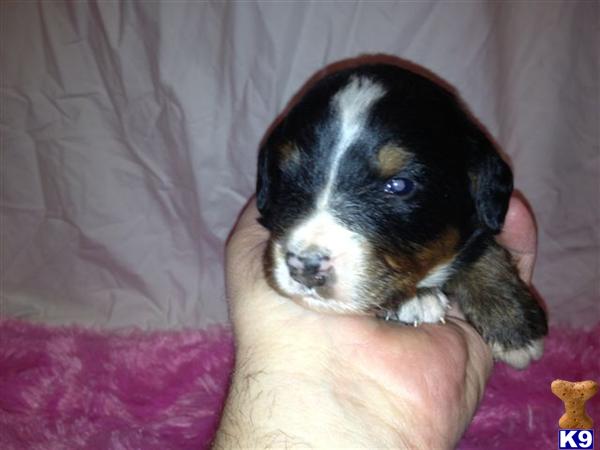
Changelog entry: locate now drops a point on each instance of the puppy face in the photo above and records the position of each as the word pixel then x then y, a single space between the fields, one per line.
pixel 370 187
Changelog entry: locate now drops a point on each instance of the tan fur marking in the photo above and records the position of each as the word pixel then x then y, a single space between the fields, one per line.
pixel 439 250
pixel 289 153
pixel 412 268
pixel 391 159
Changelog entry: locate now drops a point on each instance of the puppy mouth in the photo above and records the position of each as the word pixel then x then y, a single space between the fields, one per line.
pixel 324 265
pixel 312 270
pixel 369 289
pixel 300 276
pixel 325 285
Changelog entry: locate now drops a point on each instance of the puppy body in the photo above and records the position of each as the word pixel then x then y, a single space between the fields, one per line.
pixel 383 197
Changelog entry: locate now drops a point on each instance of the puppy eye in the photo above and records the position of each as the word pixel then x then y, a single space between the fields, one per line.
pixel 399 186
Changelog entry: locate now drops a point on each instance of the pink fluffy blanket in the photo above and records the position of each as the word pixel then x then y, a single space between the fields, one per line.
pixel 68 388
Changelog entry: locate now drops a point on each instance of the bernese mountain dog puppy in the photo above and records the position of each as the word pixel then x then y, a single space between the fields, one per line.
pixel 383 196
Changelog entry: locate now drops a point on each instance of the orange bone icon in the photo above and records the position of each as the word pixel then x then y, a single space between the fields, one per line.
pixel 574 396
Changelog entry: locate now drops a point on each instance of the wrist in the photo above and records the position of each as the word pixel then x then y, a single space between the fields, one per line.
pixel 266 404
pixel 280 397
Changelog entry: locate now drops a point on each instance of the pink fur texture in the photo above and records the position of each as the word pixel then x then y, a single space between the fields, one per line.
pixel 68 388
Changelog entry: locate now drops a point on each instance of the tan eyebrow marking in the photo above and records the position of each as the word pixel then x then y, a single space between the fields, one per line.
pixel 391 158
pixel 290 154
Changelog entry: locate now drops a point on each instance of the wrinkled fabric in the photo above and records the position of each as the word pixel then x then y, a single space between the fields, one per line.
pixel 130 132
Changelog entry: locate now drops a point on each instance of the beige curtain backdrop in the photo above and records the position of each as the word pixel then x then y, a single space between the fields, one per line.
pixel 130 130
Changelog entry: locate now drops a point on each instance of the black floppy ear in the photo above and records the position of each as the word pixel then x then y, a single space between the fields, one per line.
pixel 262 180
pixel 491 181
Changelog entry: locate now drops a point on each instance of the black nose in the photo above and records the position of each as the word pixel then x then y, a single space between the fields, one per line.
pixel 309 268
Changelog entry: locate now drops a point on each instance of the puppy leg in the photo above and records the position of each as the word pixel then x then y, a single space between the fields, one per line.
pixel 428 306
pixel 500 306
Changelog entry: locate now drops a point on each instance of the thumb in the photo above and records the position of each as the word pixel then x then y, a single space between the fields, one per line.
pixel 519 236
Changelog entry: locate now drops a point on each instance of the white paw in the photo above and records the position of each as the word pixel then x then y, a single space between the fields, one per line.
pixel 521 357
pixel 428 307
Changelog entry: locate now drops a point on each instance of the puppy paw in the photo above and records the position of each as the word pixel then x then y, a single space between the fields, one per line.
pixel 519 358
pixel 428 306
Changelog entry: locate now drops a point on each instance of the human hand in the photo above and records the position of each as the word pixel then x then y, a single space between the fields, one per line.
pixel 307 378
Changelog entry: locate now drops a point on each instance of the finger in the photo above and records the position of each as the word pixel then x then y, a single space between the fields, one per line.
pixel 248 219
pixel 479 363
pixel 244 250
pixel 248 236
pixel 519 236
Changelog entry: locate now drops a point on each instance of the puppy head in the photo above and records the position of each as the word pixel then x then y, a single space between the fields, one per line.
pixel 370 185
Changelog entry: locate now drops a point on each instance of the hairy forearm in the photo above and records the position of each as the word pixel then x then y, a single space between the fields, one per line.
pixel 269 410
pixel 298 401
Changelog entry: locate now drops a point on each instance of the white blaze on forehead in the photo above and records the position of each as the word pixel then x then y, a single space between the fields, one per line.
pixel 351 104
pixel 321 230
